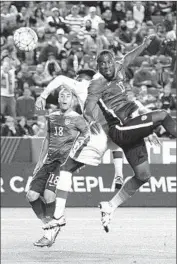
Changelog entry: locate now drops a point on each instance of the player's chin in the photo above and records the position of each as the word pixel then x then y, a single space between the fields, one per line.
pixel 108 74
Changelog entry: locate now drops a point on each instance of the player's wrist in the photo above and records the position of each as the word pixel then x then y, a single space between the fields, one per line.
pixel 44 96
pixel 92 123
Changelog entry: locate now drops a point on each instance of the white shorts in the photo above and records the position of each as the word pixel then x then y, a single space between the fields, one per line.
pixel 92 153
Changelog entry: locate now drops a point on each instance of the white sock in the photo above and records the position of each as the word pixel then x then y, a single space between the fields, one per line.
pixel 118 162
pixel 59 207
pixel 47 234
pixel 63 187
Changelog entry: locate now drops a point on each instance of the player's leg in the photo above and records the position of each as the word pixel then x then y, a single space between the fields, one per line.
pixel 138 159
pixel 64 185
pixel 118 166
pixel 53 171
pixel 37 204
pixel 49 196
pixel 90 154
pixel 49 234
pixel 161 117
pixel 36 189
pixel 141 126
pixel 117 155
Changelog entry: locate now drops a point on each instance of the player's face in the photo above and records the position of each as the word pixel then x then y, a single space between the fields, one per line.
pixel 65 100
pixel 106 66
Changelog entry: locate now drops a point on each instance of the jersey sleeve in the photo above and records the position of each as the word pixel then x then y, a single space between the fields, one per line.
pixel 83 138
pixel 58 81
pixel 94 94
pixel 82 127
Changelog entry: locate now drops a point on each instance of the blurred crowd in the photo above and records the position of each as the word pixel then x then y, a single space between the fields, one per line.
pixel 70 35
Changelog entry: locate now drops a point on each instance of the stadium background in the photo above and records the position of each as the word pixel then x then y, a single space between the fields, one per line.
pixel 68 43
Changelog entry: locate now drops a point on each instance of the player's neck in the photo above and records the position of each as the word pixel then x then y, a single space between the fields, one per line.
pixel 65 112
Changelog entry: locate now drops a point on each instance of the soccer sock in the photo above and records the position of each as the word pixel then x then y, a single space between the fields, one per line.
pixel 170 125
pixel 128 189
pixel 38 207
pixel 60 203
pixel 118 163
pixel 63 187
pixel 50 208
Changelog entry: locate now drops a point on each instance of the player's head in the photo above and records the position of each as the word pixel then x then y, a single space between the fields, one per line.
pixel 106 64
pixel 85 74
pixel 65 99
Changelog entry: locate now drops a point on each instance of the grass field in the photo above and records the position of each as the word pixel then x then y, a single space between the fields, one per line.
pixel 137 236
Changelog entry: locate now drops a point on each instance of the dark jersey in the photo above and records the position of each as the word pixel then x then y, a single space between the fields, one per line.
pixel 111 97
pixel 63 129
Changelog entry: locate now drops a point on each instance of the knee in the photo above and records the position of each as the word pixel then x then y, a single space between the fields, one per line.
pixel 144 176
pixel 49 196
pixel 32 196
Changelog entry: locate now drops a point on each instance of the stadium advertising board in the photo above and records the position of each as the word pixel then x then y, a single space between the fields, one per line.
pixel 93 184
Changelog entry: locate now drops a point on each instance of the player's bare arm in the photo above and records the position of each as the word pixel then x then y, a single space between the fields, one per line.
pixel 94 94
pixel 130 56
pixel 52 86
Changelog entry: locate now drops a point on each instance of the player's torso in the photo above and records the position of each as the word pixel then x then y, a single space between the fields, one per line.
pixel 62 134
pixel 114 98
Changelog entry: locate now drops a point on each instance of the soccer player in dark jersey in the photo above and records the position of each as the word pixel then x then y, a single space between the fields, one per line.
pixel 126 127
pixel 64 127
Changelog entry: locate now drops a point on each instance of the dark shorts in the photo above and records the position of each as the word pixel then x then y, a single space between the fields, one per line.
pixel 130 138
pixel 46 178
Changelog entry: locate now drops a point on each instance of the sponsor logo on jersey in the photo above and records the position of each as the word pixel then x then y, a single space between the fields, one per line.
pixel 144 117
pixel 67 121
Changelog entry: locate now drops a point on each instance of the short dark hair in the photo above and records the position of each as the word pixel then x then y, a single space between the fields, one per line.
pixel 104 52
pixel 88 72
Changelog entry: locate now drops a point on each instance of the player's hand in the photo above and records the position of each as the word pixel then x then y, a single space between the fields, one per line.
pixel 147 40
pixel 40 103
pixel 95 128
pixel 153 139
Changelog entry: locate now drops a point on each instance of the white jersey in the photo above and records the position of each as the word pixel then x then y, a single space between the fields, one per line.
pixel 80 89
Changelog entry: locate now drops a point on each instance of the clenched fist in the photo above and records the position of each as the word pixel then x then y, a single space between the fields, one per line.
pixel 40 103
pixel 147 40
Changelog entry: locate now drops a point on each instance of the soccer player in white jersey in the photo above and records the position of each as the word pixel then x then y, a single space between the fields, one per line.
pixel 94 151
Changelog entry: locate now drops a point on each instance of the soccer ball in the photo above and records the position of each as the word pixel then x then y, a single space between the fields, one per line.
pixel 25 39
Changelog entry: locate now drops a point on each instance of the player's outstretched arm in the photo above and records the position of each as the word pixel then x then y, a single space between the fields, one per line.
pixel 130 56
pixel 52 86
pixel 91 103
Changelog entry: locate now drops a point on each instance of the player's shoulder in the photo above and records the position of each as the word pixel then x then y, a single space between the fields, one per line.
pixel 96 84
pixel 97 77
pixel 72 114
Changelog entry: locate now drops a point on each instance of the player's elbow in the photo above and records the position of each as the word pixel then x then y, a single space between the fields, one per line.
pixel 32 196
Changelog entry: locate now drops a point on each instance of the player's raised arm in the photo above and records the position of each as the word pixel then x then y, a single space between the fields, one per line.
pixel 52 86
pixel 130 56
pixel 93 96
